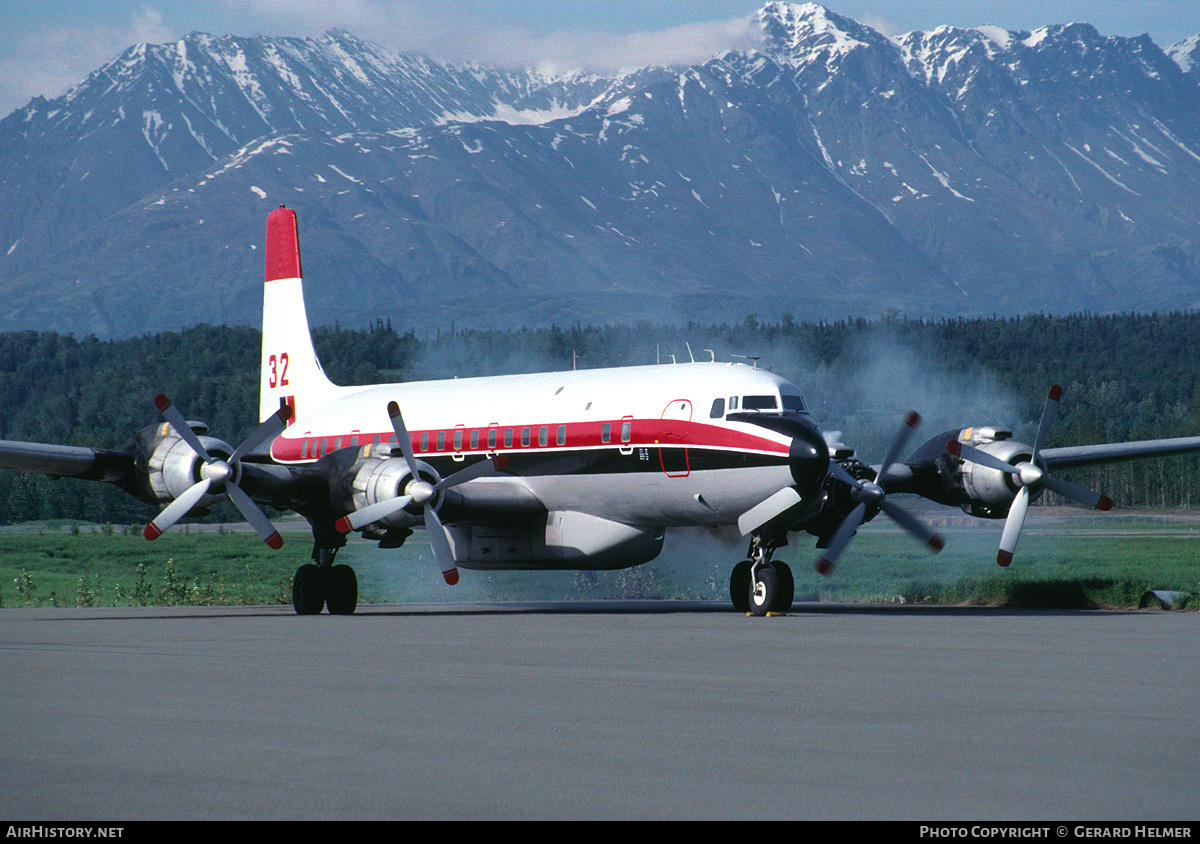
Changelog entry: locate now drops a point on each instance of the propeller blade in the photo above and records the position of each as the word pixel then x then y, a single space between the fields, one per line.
pixel 266 429
pixel 1052 399
pixel 479 469
pixel 930 538
pixel 177 509
pixel 841 538
pixel 440 545
pixel 975 455
pixel 911 420
pixel 373 513
pixel 255 516
pixel 1084 496
pixel 175 420
pixel 768 508
pixel 1012 527
pixel 402 437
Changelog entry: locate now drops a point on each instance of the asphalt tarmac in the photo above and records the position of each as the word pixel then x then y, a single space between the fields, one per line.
pixel 599 710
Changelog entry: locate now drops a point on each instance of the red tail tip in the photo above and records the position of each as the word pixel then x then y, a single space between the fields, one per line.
pixel 152 532
pixel 283 245
pixel 824 566
pixel 343 525
pixel 1105 503
pixel 1004 558
pixel 274 541
pixel 451 576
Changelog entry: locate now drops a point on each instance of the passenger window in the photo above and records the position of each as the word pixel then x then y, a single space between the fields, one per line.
pixel 543 435
pixel 441 440
pixel 525 438
pixel 562 434
pixel 425 441
pixel 303 449
pixel 606 432
pixel 626 431
pixel 474 440
pixel 508 439
pixel 718 409
pixel 491 437
pixel 458 439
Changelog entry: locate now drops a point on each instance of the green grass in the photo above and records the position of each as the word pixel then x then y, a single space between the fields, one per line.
pixel 1107 564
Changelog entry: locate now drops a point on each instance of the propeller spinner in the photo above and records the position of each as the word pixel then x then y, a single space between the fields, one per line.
pixel 1031 477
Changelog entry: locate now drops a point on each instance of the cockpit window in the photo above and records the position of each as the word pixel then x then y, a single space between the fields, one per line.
pixel 718 409
pixel 760 403
pixel 794 402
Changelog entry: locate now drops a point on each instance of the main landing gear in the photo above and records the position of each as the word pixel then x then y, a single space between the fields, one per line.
pixel 760 586
pixel 322 584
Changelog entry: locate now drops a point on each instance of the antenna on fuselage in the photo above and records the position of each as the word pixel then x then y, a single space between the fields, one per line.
pixel 753 358
pixel 689 348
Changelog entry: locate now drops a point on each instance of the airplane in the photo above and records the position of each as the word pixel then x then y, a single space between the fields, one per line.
pixel 578 469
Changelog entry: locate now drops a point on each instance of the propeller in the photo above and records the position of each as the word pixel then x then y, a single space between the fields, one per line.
pixel 216 472
pixel 423 494
pixel 1031 477
pixel 874 493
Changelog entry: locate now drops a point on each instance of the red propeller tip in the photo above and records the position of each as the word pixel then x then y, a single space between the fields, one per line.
pixel 1105 503
pixel 343 525
pixel 451 576
pixel 274 541
pixel 954 447
pixel 161 402
pixel 1004 558
pixel 824 566
pixel 936 543
pixel 152 531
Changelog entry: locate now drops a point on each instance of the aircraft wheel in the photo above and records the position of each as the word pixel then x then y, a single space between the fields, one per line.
pixel 341 590
pixel 739 586
pixel 308 590
pixel 785 591
pixel 764 591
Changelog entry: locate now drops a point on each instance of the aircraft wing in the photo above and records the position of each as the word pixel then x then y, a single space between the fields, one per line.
pixel 1090 455
pixel 94 464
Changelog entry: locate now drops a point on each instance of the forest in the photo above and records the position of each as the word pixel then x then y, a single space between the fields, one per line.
pixel 1126 376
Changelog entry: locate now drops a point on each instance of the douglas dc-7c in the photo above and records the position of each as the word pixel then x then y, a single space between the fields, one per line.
pixel 556 470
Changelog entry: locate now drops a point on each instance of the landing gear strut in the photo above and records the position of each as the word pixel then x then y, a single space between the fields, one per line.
pixel 760 586
pixel 323 584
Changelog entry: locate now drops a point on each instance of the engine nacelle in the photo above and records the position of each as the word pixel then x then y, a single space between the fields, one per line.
pixel 989 492
pixel 172 467
pixel 379 479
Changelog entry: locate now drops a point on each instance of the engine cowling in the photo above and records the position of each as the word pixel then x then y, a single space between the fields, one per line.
pixel 379 479
pixel 989 493
pixel 172 467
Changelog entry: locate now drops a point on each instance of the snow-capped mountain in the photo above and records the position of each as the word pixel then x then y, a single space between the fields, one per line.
pixel 832 172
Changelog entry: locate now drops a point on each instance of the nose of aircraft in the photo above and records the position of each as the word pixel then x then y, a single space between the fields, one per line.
pixel 809 458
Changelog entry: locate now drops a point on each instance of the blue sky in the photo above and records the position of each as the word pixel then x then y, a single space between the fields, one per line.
pixel 47 46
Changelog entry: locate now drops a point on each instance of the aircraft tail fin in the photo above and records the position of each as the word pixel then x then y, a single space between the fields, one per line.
pixel 290 372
